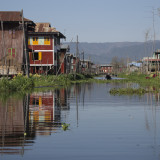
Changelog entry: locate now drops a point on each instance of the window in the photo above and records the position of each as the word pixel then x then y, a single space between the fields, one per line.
pixel 37 56
pixel 46 41
pixel 12 52
pixel 35 101
pixel 35 40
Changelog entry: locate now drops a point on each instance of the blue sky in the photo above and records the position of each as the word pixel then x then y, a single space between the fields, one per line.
pixel 92 20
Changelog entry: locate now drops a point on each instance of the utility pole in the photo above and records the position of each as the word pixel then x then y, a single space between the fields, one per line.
pixel 146 48
pixel 83 61
pixel 153 47
pixel 77 55
pixel 154 35
pixel 24 42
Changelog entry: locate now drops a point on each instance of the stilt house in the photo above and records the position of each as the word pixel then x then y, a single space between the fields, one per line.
pixel 45 47
pixel 13 42
pixel 62 64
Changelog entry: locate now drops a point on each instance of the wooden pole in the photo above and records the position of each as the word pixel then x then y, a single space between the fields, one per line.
pixel 76 66
pixel 24 42
pixel 3 46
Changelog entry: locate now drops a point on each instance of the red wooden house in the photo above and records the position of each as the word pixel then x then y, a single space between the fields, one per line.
pixel 75 64
pixel 45 45
pixel 62 58
pixel 106 69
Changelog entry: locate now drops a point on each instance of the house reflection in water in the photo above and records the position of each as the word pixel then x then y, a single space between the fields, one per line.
pixel 23 119
pixel 45 111
pixel 44 115
pixel 13 126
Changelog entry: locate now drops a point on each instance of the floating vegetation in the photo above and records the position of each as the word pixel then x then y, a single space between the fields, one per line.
pixel 128 91
pixel 65 126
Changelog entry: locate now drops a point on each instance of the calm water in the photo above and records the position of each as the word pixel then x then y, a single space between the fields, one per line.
pixel 102 126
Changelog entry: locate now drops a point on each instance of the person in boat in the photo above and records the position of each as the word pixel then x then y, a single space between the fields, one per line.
pixel 108 77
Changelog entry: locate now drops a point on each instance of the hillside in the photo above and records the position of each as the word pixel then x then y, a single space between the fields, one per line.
pixel 102 53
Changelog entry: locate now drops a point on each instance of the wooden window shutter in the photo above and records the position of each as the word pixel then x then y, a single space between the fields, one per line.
pixel 40 56
pixel 9 50
pixel 13 52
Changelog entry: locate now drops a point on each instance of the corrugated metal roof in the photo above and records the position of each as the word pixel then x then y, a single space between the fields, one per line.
pixel 44 27
pixel 12 16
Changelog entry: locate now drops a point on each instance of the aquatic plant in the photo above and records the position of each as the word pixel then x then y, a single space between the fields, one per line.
pixel 65 126
pixel 127 91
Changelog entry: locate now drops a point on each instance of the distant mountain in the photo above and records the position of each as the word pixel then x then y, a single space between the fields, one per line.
pixel 102 53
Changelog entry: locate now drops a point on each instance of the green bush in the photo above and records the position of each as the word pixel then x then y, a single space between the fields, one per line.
pixel 21 83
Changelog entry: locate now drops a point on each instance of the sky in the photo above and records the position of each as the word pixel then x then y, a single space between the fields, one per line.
pixel 93 20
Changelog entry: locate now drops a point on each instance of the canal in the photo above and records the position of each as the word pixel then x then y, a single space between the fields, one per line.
pixel 101 126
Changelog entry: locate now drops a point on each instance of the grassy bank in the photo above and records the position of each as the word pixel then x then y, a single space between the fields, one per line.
pixel 147 83
pixel 142 79
pixel 21 83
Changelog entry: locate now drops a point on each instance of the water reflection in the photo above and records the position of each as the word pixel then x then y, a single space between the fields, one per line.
pixel 21 120
pixel 102 120
pixel 14 125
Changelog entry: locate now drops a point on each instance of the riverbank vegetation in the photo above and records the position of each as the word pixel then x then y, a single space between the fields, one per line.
pixel 21 83
pixel 147 83
pixel 143 80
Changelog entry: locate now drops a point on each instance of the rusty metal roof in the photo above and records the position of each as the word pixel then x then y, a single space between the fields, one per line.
pixel 11 16
pixel 44 27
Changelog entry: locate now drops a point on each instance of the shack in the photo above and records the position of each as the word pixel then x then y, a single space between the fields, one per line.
pixel 14 30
